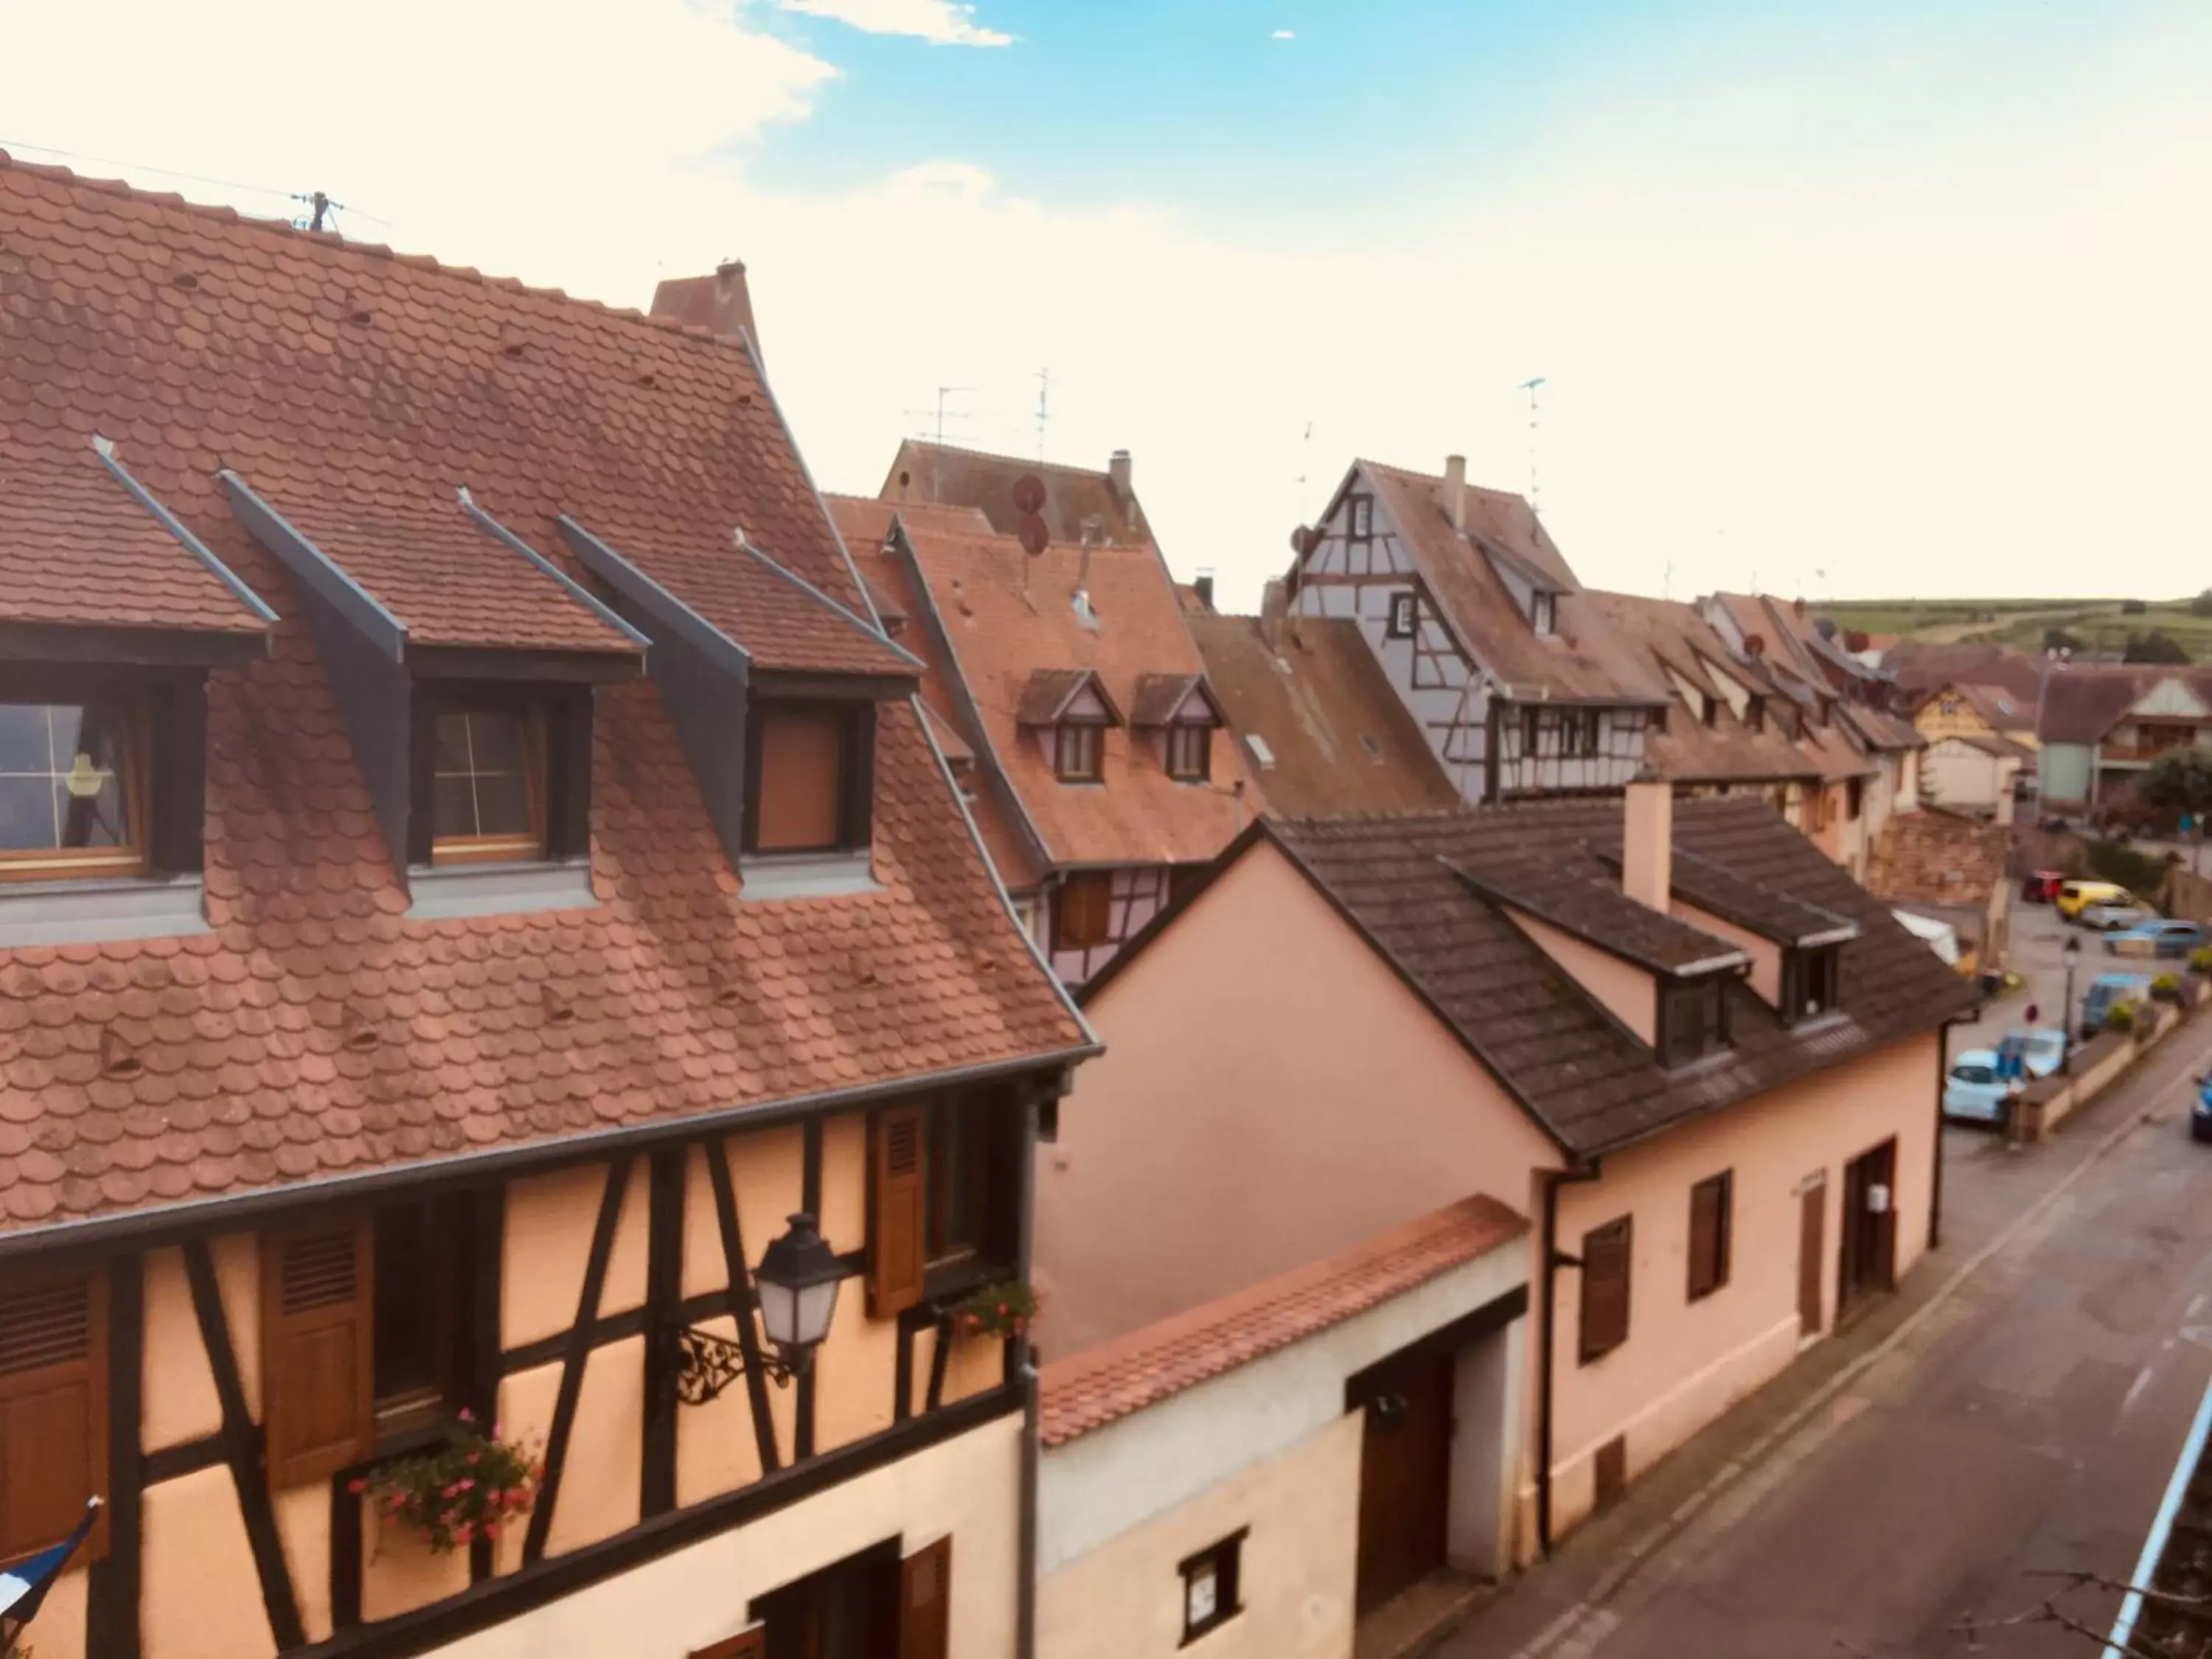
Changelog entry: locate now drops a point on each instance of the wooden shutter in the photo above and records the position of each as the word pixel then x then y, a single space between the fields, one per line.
pixel 1709 1235
pixel 751 1643
pixel 1605 1255
pixel 897 1253
pixel 317 1350
pixel 53 1412
pixel 926 1602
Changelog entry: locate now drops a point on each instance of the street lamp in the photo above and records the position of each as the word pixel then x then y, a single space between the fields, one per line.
pixel 797 1280
pixel 2071 954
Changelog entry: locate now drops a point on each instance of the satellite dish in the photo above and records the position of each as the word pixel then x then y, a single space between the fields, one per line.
pixel 1034 534
pixel 1029 494
pixel 1302 540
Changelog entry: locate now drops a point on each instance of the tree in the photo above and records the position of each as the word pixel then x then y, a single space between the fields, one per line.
pixel 2157 646
pixel 2202 604
pixel 2179 781
pixel 2132 607
pixel 2057 639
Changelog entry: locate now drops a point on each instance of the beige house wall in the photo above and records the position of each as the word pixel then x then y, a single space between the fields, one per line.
pixel 1684 1362
pixel 1124 1599
pixel 1272 1093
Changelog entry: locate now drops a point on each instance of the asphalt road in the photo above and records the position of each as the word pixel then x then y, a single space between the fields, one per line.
pixel 2016 1412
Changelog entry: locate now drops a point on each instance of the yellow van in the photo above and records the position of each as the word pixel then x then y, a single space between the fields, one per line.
pixel 2075 896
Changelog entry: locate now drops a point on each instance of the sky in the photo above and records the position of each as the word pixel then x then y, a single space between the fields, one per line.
pixel 1885 300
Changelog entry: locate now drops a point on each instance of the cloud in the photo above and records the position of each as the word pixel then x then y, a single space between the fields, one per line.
pixel 1284 34
pixel 940 22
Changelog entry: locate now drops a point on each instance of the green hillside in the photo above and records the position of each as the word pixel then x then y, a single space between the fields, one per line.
pixel 2098 625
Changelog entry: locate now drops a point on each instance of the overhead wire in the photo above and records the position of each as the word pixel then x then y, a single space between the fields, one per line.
pixel 305 198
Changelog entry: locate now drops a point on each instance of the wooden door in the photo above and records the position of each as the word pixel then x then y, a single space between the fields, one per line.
pixel 1869 1235
pixel 1405 1471
pixel 1812 1254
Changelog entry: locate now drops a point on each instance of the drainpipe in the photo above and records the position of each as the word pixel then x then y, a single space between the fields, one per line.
pixel 1936 1182
pixel 1026 1515
pixel 1549 1271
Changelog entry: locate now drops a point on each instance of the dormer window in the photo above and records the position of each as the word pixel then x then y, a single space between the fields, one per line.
pixel 1078 751
pixel 1543 612
pixel 72 790
pixel 809 777
pixel 1693 1020
pixel 487 785
pixel 1190 752
pixel 1812 982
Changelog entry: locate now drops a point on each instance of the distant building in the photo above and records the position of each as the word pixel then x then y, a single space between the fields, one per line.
pixel 2102 728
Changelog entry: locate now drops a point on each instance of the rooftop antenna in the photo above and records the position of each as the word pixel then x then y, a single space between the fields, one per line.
pixel 321 203
pixel 1666 581
pixel 1044 407
pixel 1530 387
pixel 943 392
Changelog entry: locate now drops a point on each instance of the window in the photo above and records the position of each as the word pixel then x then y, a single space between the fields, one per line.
pixel 1973 1073
pixel 1210 1588
pixel 1580 729
pixel 1362 508
pixel 1079 751
pixel 1812 982
pixel 72 791
pixel 944 1193
pixel 363 1327
pixel 53 1409
pixel 1083 910
pixel 1543 612
pixel 1709 709
pixel 487 786
pixel 1606 1253
pixel 1712 1217
pixel 1854 797
pixel 809 776
pixel 1532 727
pixel 1190 752
pixel 1693 1020
pixel 1403 609
pixel 851 1609
pixel 1754 715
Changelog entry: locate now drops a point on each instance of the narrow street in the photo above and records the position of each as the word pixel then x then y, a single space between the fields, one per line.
pixel 2015 1412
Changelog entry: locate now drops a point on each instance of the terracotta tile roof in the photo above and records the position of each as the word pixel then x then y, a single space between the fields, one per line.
pixel 1337 736
pixel 1582 660
pixel 1937 857
pixel 2081 704
pixel 1116 1379
pixel 413 548
pixel 1159 696
pixel 866 526
pixel 1922 665
pixel 1585 1077
pixel 945 474
pixel 317 1031
pixel 1999 709
pixel 1678 639
pixel 77 549
pixel 1048 691
pixel 1006 618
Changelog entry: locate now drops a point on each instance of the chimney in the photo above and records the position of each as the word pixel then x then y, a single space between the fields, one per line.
pixel 1647 842
pixel 1203 587
pixel 1274 605
pixel 1117 474
pixel 1455 490
pixel 721 302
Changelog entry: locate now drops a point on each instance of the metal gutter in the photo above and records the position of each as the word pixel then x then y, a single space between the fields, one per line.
pixel 874 632
pixel 2161 1530
pixel 1546 1359
pixel 574 589
pixel 322 574
pixel 657 601
pixel 233 1207
pixel 104 448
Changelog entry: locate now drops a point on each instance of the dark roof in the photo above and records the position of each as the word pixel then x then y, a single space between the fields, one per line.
pixel 1338 737
pixel 2079 705
pixel 1581 661
pixel 1750 905
pixel 318 1029
pixel 946 475
pixel 1160 695
pixel 1048 691
pixel 1589 903
pixel 1578 1072
pixel 1922 665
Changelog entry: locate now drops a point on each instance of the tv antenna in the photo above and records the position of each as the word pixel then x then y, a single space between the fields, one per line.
pixel 942 413
pixel 1044 407
pixel 1530 387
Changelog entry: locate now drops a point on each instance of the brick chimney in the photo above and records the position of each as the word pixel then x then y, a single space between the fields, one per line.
pixel 1202 585
pixel 1274 606
pixel 1647 842
pixel 1117 474
pixel 720 303
pixel 1455 490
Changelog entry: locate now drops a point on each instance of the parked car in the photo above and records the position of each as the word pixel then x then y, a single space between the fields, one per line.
pixel 2037 1053
pixel 2114 918
pixel 2041 886
pixel 2158 939
pixel 1974 1092
pixel 2200 1114
pixel 2103 991
pixel 2075 896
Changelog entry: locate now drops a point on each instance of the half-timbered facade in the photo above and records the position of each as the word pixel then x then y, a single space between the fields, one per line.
pixel 475 876
pixel 1096 762
pixel 1515 679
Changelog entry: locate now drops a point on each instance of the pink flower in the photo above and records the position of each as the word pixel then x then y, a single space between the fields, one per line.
pixel 474 1456
pixel 464 1483
pixel 467 1416
pixel 357 1487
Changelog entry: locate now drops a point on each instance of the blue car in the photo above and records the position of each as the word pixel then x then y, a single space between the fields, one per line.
pixel 2173 939
pixel 2103 991
pixel 2200 1114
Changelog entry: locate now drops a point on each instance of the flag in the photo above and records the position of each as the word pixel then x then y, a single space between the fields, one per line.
pixel 24 1585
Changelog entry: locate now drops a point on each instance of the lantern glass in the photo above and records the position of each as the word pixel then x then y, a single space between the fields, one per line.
pixel 797 1283
pixel 779 1307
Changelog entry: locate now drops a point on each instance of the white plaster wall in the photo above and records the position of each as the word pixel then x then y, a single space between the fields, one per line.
pixel 1486 1408
pixel 1095 1488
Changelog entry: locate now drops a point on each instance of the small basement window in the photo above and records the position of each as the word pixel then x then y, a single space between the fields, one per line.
pixel 487 786
pixel 1210 1588
pixel 1079 751
pixel 1190 752
pixel 72 790
pixel 808 771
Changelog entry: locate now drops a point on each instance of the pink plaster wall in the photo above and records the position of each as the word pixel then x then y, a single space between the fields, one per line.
pixel 1765 954
pixel 1686 1361
pixel 1629 993
pixel 1270 1094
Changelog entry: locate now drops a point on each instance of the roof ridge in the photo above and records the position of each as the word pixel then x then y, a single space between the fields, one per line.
pixel 221 213
pixel 1000 455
